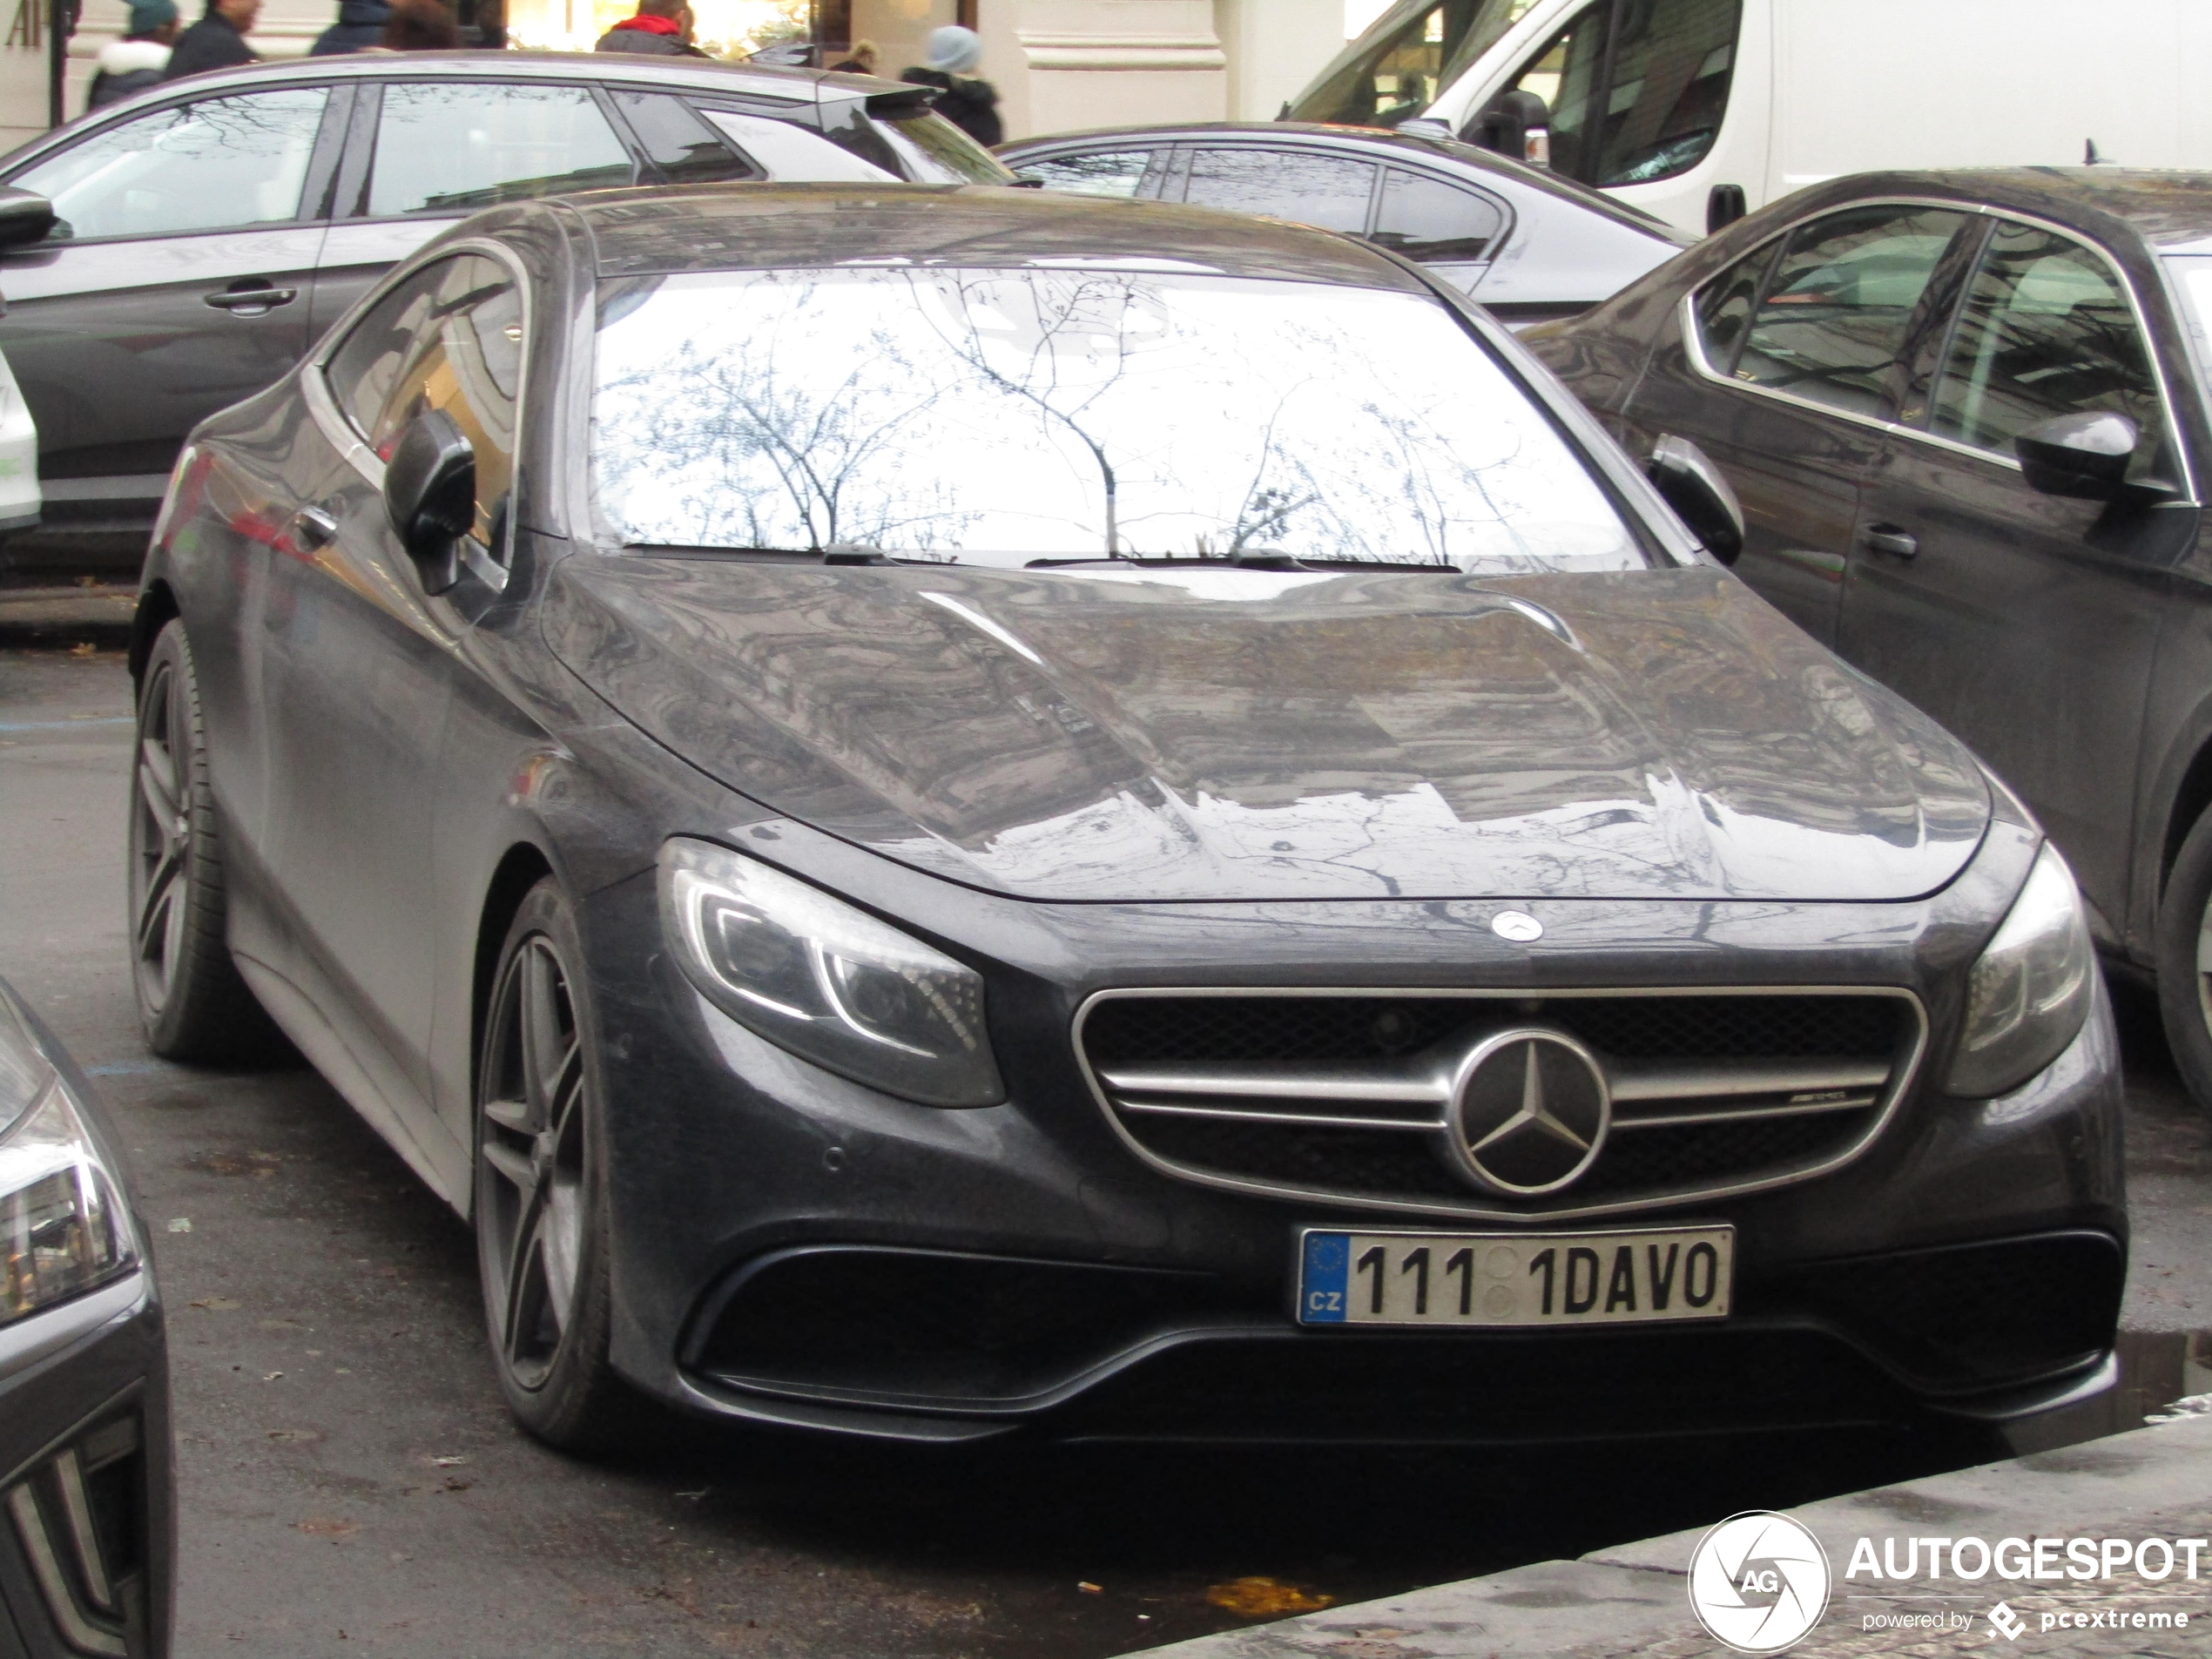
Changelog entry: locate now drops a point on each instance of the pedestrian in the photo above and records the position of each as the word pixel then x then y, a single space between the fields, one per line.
pixel 971 105
pixel 217 41
pixel 135 62
pixel 860 60
pixel 360 25
pixel 421 26
pixel 662 28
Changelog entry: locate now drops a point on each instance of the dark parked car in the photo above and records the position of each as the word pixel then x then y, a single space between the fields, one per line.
pixel 946 809
pixel 1966 415
pixel 1528 243
pixel 87 1479
pixel 212 228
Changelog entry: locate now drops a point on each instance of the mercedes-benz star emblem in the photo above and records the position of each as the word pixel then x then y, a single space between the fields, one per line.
pixel 1530 1112
pixel 1518 926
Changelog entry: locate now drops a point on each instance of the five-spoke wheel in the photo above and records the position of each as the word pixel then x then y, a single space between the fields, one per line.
pixel 541 1230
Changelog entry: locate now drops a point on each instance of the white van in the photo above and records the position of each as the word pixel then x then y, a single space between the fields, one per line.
pixel 1701 98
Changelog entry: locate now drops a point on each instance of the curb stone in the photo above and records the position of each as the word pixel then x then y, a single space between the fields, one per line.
pixel 1633 1598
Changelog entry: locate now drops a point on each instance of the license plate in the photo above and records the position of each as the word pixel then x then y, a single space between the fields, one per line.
pixel 1505 1279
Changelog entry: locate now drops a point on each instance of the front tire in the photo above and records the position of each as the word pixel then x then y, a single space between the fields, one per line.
pixel 192 1002
pixel 2185 961
pixel 541 1197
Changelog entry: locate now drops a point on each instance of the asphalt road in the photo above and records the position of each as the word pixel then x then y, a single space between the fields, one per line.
pixel 350 1482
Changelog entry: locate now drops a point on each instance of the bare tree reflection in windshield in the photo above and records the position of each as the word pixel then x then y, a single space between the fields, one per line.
pixel 997 417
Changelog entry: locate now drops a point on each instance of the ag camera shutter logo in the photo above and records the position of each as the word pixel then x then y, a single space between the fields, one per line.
pixel 1759 1582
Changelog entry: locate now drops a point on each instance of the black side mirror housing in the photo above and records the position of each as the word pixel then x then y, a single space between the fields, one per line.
pixel 1516 124
pixel 430 495
pixel 26 217
pixel 1698 492
pixel 2083 457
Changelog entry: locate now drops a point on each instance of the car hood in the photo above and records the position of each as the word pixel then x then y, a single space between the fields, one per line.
pixel 1184 733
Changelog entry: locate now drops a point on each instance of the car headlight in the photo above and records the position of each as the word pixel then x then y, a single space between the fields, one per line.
pixel 2032 989
pixel 62 1227
pixel 825 981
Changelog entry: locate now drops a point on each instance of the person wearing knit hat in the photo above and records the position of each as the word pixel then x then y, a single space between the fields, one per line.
pixel 971 105
pixel 135 62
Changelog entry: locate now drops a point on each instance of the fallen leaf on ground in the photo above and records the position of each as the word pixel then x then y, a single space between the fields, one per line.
pixel 328 1526
pixel 217 1305
pixel 449 1459
pixel 293 1435
pixel 1090 1588
pixel 1264 1598
pixel 181 1224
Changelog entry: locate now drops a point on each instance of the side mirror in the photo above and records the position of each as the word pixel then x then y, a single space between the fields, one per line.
pixel 26 217
pixel 1695 489
pixel 430 497
pixel 2082 457
pixel 1518 124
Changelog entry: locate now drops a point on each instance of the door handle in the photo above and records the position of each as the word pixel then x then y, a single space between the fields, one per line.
pixel 313 527
pixel 253 300
pixel 1888 538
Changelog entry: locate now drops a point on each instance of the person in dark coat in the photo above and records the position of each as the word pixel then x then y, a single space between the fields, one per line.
pixel 421 26
pixel 135 62
pixel 661 28
pixel 360 25
pixel 970 105
pixel 217 41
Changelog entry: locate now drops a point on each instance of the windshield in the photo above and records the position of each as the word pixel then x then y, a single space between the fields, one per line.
pixel 1003 416
pixel 1407 56
pixel 909 140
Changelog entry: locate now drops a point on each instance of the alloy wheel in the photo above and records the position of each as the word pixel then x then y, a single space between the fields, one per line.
pixel 533 1148
pixel 161 837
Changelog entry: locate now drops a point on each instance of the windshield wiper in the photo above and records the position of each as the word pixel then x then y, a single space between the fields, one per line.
pixel 835 553
pixel 1252 559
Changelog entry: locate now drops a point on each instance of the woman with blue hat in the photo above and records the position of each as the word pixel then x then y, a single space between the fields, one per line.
pixel 971 105
pixel 135 62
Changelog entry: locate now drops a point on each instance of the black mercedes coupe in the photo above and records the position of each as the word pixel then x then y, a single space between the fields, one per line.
pixel 947 811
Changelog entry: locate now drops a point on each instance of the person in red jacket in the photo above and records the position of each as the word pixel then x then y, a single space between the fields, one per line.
pixel 662 28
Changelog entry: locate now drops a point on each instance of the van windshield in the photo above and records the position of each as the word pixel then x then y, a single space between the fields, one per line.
pixel 1009 417
pixel 1407 56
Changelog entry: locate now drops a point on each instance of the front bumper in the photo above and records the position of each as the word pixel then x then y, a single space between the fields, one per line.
pixel 87 1507
pixel 793 1248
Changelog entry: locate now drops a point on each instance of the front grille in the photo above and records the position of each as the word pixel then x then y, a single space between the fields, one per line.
pixel 1346 1096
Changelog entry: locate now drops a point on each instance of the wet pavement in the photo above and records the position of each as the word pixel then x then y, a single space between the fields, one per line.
pixel 350 1479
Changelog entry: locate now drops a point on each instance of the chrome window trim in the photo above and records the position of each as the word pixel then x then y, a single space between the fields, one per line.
pixel 1694 347
pixel 1905 1074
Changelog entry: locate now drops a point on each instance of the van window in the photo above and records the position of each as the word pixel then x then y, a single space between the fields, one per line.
pixel 1636 88
pixel 1672 62
pixel 1405 58
pixel 2045 329
pixel 1834 315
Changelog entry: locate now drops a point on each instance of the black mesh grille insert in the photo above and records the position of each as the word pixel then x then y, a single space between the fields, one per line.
pixel 1152 1031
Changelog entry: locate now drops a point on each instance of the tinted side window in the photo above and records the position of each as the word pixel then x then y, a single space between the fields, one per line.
pixel 452 148
pixel 1095 172
pixel 1672 63
pixel 1428 218
pixel 2045 329
pixel 216 165
pixel 1724 307
pixel 449 338
pixel 1834 314
pixel 1332 192
pixel 683 148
